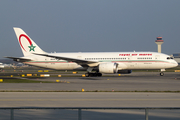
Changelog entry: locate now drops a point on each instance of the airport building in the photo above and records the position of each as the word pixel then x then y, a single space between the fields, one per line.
pixel 159 42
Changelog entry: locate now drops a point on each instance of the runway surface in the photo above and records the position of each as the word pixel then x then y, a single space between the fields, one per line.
pixel 90 99
pixel 144 81
pixel 134 82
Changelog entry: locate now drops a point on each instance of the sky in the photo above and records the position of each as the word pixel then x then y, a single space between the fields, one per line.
pixel 91 25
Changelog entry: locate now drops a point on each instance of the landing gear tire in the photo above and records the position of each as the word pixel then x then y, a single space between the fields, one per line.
pixel 93 74
pixel 99 74
pixel 87 74
pixel 161 74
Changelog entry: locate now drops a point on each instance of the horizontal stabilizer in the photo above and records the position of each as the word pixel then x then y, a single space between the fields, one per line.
pixel 19 59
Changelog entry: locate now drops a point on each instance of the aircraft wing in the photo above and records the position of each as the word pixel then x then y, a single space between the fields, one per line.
pixel 84 63
pixel 19 59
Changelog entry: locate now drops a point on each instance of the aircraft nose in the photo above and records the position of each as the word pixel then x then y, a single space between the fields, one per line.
pixel 175 64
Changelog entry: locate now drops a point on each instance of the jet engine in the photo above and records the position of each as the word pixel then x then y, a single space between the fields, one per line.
pixel 108 68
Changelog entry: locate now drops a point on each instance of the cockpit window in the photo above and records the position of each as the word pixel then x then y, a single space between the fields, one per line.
pixel 168 58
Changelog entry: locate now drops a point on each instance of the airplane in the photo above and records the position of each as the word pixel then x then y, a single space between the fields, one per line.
pixel 1 65
pixel 100 62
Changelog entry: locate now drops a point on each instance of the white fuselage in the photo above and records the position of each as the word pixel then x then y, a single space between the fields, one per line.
pixel 125 60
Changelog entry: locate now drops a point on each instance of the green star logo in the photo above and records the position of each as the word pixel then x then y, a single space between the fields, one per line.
pixel 31 47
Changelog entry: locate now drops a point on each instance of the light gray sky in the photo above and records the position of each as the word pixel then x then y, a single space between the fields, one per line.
pixel 91 25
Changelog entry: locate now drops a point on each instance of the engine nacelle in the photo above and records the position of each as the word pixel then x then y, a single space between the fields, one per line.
pixel 108 68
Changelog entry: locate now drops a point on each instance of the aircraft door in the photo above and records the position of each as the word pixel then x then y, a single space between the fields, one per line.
pixel 46 61
pixel 159 64
pixel 157 57
pixel 79 57
pixel 132 63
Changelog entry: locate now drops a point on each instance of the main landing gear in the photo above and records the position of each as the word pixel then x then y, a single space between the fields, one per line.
pixel 93 74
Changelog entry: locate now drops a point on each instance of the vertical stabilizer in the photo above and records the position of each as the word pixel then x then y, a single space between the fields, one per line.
pixel 28 46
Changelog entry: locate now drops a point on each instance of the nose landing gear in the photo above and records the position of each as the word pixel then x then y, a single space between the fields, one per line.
pixel 161 74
